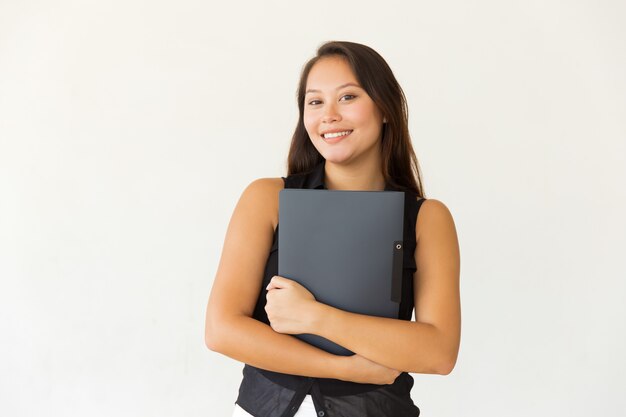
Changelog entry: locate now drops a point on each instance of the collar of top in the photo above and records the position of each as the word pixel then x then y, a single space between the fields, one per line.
pixel 316 178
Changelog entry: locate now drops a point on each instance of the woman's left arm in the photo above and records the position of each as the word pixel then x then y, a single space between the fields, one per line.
pixel 428 345
pixel 431 343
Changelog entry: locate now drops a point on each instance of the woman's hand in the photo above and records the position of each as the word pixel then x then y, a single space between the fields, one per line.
pixel 364 371
pixel 291 308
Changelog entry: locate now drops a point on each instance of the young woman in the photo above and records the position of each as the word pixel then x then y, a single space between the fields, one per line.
pixel 351 134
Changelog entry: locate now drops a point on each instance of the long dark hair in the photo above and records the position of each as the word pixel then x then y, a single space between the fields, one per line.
pixel 399 163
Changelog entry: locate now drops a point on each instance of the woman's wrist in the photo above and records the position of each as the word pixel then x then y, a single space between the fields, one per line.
pixel 316 316
pixel 340 365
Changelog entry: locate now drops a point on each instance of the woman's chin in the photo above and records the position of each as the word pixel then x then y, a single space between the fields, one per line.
pixel 336 157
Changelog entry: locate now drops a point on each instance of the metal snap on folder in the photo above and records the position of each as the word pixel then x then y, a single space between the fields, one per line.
pixel 346 248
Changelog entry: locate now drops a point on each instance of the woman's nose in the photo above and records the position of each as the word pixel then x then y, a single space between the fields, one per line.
pixel 331 114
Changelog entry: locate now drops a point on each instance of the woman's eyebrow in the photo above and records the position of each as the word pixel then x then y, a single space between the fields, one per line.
pixel 310 90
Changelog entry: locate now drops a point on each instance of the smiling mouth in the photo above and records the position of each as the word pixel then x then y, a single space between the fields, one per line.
pixel 336 135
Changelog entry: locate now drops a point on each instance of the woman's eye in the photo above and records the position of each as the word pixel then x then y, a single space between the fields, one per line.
pixel 345 96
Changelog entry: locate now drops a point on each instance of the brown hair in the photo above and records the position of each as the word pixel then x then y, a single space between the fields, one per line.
pixel 399 163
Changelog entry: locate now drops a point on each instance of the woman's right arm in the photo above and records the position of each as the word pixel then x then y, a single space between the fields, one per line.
pixel 230 328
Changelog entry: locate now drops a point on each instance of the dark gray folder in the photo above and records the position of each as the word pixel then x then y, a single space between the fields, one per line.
pixel 346 248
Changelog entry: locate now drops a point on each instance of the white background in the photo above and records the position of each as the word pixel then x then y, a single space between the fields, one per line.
pixel 129 129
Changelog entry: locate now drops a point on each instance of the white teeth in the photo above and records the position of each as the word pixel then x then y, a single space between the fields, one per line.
pixel 336 135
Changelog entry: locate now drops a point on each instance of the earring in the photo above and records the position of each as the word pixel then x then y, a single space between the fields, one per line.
pixel 384 120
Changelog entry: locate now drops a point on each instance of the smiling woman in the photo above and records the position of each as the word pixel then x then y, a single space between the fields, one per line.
pixel 340 114
pixel 351 134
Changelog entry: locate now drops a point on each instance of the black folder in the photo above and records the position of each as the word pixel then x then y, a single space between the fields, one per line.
pixel 346 248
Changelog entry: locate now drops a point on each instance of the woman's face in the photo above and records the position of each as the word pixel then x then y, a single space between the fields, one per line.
pixel 335 103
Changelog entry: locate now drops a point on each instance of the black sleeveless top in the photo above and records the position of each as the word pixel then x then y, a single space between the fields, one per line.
pixel 265 393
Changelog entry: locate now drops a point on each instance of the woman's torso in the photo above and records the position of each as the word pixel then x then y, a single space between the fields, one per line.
pixel 267 394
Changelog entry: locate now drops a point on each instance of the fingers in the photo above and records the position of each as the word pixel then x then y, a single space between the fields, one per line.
pixel 277 282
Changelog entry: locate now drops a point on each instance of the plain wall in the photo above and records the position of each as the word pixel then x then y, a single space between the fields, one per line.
pixel 129 129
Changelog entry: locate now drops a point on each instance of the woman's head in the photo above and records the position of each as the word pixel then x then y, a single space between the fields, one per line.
pixel 373 109
pixel 342 121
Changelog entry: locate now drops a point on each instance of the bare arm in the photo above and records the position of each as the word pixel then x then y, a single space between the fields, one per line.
pixel 430 344
pixel 230 328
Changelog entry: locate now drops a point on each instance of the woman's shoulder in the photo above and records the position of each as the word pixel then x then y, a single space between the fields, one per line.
pixel 263 194
pixel 433 217
pixel 431 207
pixel 265 187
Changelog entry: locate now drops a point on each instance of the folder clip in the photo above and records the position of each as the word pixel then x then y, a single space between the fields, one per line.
pixel 396 272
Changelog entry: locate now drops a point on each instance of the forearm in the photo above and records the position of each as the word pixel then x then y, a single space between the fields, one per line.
pixel 399 344
pixel 253 342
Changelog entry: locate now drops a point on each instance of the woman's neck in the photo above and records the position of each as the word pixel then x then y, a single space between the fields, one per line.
pixel 365 176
